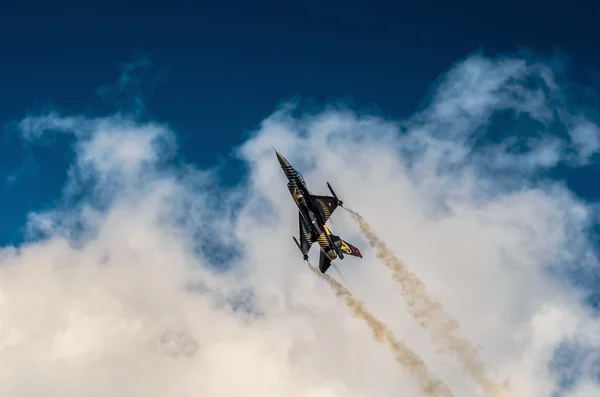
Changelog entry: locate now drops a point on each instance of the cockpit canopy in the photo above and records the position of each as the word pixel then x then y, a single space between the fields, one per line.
pixel 299 175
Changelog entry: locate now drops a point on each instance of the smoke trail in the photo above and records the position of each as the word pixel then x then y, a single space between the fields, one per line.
pixel 339 273
pixel 430 313
pixel 430 385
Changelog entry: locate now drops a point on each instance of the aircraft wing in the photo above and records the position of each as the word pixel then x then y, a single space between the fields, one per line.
pixel 305 242
pixel 326 205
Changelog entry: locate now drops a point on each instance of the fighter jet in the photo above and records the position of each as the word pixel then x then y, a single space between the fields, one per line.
pixel 313 213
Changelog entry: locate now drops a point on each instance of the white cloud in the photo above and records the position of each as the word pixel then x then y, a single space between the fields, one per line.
pixel 586 138
pixel 101 303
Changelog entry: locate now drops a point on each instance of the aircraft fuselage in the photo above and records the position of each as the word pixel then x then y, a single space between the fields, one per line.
pixel 302 197
pixel 311 216
pixel 314 211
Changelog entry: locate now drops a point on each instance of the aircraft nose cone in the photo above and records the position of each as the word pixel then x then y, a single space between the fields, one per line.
pixel 284 163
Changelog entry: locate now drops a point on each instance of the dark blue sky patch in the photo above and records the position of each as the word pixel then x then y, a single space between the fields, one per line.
pixel 581 273
pixel 572 360
pixel 34 176
pixel 218 255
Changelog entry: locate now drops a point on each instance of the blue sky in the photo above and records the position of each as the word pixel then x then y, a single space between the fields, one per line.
pixel 214 74
pixel 216 70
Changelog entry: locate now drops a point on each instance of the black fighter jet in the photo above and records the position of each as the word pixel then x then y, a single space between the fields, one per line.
pixel 313 212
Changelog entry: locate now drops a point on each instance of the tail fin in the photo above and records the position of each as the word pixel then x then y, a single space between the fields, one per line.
pixel 346 247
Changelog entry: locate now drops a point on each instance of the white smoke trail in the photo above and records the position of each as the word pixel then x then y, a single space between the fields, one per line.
pixel 429 312
pixel 430 384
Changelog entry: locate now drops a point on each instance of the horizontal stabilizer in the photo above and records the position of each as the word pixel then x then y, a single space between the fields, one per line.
pixel 324 262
